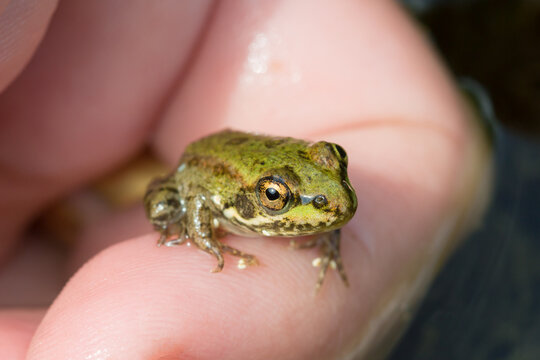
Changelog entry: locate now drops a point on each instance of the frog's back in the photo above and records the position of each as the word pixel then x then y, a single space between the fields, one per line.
pixel 249 154
pixel 229 143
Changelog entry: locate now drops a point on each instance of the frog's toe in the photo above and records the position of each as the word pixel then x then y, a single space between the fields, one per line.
pixel 329 245
pixel 336 263
pixel 217 269
pixel 294 244
pixel 323 263
pixel 161 240
pixel 333 260
pixel 220 262
pixel 247 260
pixel 173 242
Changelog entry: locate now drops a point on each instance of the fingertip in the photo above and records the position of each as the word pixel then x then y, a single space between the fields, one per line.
pixel 135 291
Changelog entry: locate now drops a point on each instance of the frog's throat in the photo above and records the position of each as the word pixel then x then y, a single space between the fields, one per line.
pixel 262 225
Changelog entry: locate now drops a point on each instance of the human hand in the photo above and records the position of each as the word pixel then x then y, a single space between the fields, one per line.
pixel 109 79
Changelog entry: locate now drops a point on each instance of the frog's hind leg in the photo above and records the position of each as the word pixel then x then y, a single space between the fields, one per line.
pixel 174 235
pixel 245 259
pixel 329 246
pixel 162 239
pixel 173 242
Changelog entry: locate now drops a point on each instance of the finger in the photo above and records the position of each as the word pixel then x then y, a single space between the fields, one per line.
pixel 408 143
pixel 16 330
pixel 170 296
pixel 105 231
pixel 34 276
pixel 22 26
pixel 136 291
pixel 87 100
pixel 37 271
pixel 415 160
pixel 266 71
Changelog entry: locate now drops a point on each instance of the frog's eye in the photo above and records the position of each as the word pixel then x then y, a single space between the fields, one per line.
pixel 340 152
pixel 273 193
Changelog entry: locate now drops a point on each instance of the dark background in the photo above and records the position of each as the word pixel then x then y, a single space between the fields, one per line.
pixel 485 304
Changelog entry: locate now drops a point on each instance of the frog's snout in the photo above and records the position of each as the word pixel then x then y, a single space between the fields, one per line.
pixel 352 196
pixel 347 204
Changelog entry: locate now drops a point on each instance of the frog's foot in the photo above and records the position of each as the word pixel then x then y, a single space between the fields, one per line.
pixel 174 242
pixel 170 241
pixel 170 237
pixel 328 244
pixel 162 239
pixel 329 247
pixel 219 256
pixel 306 244
pixel 246 259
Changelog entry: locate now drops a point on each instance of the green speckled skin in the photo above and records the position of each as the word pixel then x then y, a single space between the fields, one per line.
pixel 221 185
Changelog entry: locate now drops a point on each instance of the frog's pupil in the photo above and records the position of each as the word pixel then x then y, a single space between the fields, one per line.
pixel 272 194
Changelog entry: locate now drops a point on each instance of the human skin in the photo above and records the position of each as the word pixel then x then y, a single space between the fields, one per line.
pixel 108 80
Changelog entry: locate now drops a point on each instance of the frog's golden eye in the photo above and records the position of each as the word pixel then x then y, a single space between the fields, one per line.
pixel 340 152
pixel 273 193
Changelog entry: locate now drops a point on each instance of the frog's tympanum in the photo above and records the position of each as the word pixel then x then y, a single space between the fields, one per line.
pixel 253 185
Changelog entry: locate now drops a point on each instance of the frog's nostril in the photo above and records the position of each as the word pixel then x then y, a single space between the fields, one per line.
pixel 320 201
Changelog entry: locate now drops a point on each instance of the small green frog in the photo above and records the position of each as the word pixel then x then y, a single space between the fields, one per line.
pixel 252 185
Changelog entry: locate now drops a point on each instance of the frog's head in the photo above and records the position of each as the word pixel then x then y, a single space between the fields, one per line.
pixel 309 193
pixel 163 205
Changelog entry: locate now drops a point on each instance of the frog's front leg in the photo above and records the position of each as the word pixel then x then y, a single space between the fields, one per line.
pixel 329 246
pixel 246 259
pixel 200 229
pixel 203 234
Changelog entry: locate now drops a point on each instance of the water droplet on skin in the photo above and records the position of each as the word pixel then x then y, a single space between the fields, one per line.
pixel 265 63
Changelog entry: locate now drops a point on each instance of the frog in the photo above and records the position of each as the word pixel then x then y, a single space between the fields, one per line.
pixel 255 185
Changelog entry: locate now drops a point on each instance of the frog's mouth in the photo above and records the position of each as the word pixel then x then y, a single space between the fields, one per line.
pixel 283 225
